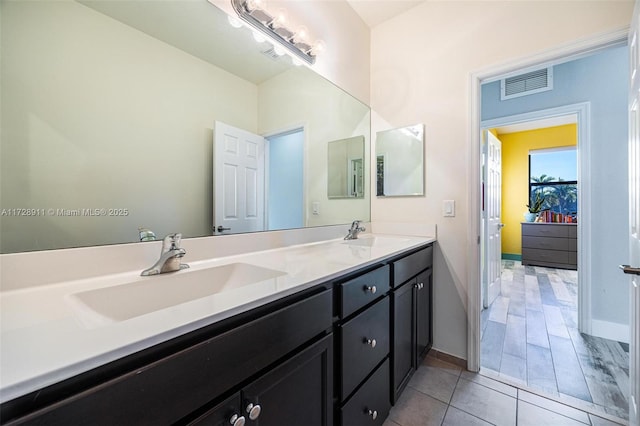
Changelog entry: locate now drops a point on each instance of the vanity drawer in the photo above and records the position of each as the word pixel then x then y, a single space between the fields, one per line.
pixel 372 398
pixel 199 374
pixel 410 266
pixel 362 290
pixel 365 342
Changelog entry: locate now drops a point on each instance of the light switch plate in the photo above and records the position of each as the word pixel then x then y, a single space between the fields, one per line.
pixel 315 208
pixel 448 208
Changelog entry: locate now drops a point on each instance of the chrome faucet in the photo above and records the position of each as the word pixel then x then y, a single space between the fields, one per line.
pixel 170 257
pixel 355 229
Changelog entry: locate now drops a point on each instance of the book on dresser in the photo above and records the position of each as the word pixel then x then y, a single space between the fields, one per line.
pixel 553 245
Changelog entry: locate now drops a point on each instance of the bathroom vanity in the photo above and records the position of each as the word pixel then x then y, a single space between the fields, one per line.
pixel 338 349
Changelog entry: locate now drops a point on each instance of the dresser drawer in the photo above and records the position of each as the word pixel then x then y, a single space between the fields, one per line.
pixel 365 342
pixel 573 258
pixel 547 243
pixel 573 231
pixel 572 244
pixel 364 289
pixel 545 230
pixel 549 256
pixel 410 266
pixel 371 400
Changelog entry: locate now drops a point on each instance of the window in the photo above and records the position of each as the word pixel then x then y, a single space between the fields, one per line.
pixel 553 174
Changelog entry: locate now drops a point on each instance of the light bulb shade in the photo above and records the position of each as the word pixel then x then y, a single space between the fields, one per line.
pixel 234 22
pixel 259 37
pixel 280 19
pixel 301 35
pixel 318 47
pixel 252 5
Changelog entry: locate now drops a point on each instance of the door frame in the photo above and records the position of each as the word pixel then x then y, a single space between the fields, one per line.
pixel 553 56
pixel 583 146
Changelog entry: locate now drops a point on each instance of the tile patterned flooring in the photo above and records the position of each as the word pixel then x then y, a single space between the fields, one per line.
pixel 537 369
pixel 442 394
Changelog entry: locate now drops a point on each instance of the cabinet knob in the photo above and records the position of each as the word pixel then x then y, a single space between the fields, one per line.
pixel 370 288
pixel 370 342
pixel 372 413
pixel 420 286
pixel 237 420
pixel 253 411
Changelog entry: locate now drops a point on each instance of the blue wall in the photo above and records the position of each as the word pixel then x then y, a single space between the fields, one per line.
pixel 602 80
pixel 286 161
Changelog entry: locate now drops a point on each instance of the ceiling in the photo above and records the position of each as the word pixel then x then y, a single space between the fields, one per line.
pixel 373 12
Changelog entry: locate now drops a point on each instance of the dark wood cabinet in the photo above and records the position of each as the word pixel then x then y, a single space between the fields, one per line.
pixel 424 312
pixel 340 352
pixel 412 317
pixel 403 336
pixel 297 392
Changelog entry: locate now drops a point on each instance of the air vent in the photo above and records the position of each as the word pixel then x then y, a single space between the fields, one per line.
pixel 527 84
pixel 271 54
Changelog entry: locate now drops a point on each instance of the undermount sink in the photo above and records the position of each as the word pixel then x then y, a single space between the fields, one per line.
pixel 375 241
pixel 150 294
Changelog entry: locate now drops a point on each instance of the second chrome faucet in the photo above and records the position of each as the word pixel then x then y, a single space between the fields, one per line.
pixel 355 229
pixel 170 257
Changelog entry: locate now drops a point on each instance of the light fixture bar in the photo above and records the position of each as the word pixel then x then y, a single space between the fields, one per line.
pixel 262 21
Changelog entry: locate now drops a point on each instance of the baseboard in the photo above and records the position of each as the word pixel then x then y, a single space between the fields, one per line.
pixel 610 330
pixel 451 359
pixel 509 256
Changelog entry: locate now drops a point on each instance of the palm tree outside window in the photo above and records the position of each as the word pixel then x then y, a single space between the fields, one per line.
pixel 553 174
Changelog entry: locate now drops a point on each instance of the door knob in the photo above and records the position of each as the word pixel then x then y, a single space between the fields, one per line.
pixel 630 270
pixel 500 225
pixel 221 228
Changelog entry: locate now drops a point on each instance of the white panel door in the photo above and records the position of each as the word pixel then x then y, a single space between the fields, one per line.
pixel 238 180
pixel 492 181
pixel 634 219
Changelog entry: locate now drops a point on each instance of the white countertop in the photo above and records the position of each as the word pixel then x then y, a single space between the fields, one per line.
pixel 45 337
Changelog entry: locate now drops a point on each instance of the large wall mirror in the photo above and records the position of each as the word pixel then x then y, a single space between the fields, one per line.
pixel 108 112
pixel 400 162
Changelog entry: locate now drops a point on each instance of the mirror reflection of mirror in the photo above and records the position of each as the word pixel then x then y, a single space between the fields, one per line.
pixel 108 121
pixel 346 168
pixel 400 162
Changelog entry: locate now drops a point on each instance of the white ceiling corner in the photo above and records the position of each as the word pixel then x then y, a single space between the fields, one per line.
pixel 374 12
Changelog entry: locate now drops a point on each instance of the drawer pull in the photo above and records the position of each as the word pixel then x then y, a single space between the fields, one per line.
pixel 370 288
pixel 372 413
pixel 253 411
pixel 237 420
pixel 370 342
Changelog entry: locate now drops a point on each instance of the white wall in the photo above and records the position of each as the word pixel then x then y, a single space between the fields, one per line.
pixel 421 63
pixel 74 79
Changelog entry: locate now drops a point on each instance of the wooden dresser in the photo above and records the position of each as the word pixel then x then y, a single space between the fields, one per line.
pixel 550 244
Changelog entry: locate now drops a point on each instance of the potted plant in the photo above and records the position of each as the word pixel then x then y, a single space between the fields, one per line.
pixel 534 207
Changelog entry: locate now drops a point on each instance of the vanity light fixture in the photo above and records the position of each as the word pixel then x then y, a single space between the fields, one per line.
pixel 274 25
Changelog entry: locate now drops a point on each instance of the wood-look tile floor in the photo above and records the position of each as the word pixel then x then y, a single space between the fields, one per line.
pixel 443 394
pixel 529 339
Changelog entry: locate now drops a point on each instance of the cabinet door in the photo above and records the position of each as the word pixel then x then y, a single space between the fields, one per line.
pixel 297 392
pixel 424 335
pixel 403 336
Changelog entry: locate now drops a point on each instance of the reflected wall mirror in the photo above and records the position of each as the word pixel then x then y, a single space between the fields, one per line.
pixel 346 178
pixel 108 112
pixel 400 162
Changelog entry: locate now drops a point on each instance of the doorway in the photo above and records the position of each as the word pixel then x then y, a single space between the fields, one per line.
pixel 561 364
pixel 285 180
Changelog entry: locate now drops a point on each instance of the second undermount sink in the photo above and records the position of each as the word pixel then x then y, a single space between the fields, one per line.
pixel 376 241
pixel 149 294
